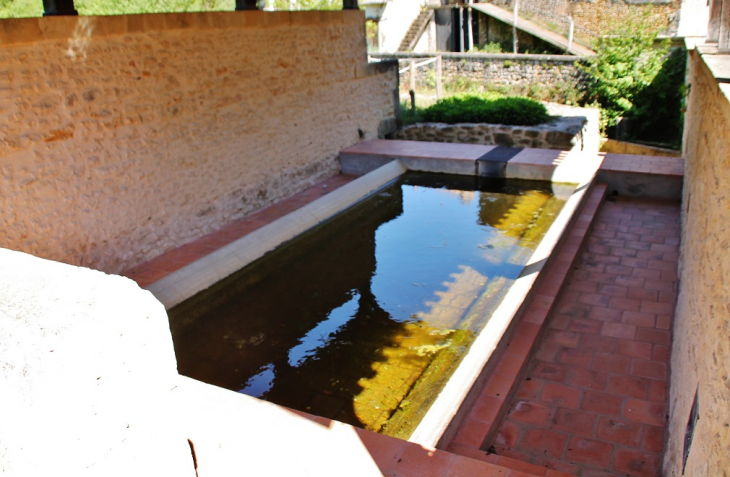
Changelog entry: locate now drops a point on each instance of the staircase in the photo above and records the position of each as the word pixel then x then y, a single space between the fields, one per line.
pixel 416 30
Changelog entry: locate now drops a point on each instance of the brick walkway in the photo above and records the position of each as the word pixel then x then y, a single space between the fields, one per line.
pixel 595 398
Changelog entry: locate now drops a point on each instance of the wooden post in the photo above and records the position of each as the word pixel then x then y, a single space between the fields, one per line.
pixel 713 28
pixel 439 71
pixel 460 14
pixel 514 27
pixel 469 35
pixel 571 25
pixel 413 75
pixel 246 5
pixel 59 7
pixel 723 42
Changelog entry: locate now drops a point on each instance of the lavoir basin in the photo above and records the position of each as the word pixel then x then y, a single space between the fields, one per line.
pixel 364 318
pixel 446 332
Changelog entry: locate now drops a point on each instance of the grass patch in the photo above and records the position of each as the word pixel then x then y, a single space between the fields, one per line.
pixel 480 108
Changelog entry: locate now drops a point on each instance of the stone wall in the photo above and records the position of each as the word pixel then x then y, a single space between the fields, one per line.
pixel 493 70
pixel 572 129
pixel 122 137
pixel 701 350
pixel 596 17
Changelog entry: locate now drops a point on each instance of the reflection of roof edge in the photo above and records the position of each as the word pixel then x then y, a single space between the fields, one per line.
pixel 533 29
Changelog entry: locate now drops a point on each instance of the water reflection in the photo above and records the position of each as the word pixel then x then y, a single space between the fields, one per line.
pixel 363 320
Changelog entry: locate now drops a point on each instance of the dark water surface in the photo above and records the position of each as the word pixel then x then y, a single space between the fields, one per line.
pixel 364 318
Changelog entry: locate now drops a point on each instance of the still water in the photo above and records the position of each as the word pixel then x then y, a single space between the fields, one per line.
pixel 365 317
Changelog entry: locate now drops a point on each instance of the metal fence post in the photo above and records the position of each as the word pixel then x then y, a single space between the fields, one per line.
pixel 439 70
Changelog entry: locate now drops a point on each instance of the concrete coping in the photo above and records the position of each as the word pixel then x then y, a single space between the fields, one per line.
pixel 28 30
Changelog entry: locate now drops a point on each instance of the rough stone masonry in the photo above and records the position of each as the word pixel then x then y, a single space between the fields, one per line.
pixel 122 137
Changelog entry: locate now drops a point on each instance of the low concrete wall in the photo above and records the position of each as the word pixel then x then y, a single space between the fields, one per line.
pixel 623 147
pixel 575 129
pixel 122 137
pixel 87 368
pixel 701 349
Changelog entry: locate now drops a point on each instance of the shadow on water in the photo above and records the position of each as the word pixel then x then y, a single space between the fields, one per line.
pixel 356 320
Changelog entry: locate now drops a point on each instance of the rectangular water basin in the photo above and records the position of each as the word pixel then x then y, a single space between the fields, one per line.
pixel 474 321
pixel 363 318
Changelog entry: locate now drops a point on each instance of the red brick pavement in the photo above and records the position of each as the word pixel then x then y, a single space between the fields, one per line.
pixel 595 398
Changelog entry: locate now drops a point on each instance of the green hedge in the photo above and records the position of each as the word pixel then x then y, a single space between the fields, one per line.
pixel 489 108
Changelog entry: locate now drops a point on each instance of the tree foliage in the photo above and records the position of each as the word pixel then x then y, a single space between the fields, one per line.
pixel 626 62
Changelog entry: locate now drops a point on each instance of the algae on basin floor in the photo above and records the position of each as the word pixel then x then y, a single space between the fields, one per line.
pixel 364 319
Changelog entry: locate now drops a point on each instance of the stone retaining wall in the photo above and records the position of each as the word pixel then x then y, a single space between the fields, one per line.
pixel 493 70
pixel 122 137
pixel 573 129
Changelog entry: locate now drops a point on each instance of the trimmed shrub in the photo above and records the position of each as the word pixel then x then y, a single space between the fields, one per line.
pixel 486 108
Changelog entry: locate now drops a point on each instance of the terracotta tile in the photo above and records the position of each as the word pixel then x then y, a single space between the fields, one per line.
pixel 663 322
pixel 486 408
pixel 472 453
pixel 416 460
pixel 530 389
pixel 383 449
pixel 638 318
pixel 589 451
pixel 646 273
pixel 520 467
pixel 560 321
pixel 602 403
pixel 658 391
pixel 556 467
pixel 510 365
pixel 549 371
pixel 649 335
pixel 660 353
pixel 498 386
pixel 462 466
pixel 597 343
pixel 605 314
pixel 563 396
pixel 628 386
pixel 520 346
pixel 574 422
pixel 575 356
pixel 534 315
pixel 657 307
pixel 649 369
pixel 619 330
pixel 659 285
pixel 574 310
pixel 527 331
pixel 530 412
pixel 587 379
pixel 513 454
pixel 611 363
pixel 634 349
pixel 637 463
pixel 646 412
pixel 568 339
pixel 508 435
pixel 653 439
pixel 472 433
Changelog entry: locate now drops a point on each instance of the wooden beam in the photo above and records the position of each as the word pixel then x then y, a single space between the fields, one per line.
pixel 246 5
pixel 59 7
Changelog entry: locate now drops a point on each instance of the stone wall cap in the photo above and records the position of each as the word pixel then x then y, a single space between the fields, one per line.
pixel 31 30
